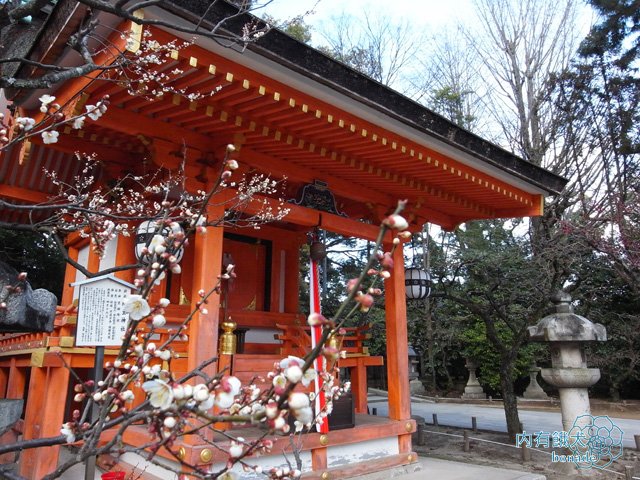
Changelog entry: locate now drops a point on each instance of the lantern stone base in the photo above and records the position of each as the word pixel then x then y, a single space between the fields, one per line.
pixel 535 394
pixel 474 393
pixel 416 387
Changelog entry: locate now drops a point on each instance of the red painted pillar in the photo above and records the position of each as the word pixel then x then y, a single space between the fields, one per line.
pixel 397 347
pixel 207 265
pixel 42 461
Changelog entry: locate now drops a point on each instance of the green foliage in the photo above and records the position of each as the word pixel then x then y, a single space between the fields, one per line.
pixel 362 59
pixel 608 300
pixel 296 27
pixel 476 347
pixel 35 254
pixel 376 318
pixel 450 103
pixel 616 34
pixel 346 257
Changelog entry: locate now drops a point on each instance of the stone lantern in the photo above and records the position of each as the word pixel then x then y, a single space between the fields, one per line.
pixel 415 385
pixel 473 390
pixel 566 333
pixel 534 391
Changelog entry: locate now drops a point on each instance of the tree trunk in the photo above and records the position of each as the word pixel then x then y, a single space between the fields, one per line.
pixel 445 364
pixel 430 345
pixel 509 398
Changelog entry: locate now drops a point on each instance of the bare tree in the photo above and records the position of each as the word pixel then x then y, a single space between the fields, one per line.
pixel 449 81
pixel 521 47
pixel 375 46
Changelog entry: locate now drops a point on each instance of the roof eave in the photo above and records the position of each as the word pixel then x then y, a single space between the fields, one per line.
pixel 307 61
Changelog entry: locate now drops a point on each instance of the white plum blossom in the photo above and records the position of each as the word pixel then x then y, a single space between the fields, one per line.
pixel 163 354
pixel 68 432
pixel 95 111
pixel 279 382
pixel 159 321
pixel 157 244
pixel 200 392
pixel 175 228
pixel 304 415
pixel 309 376
pixel 316 319
pixel 188 390
pixel 271 409
pixel 207 404
pixel 293 373
pixel 45 100
pixel 235 450
pixel 151 372
pixel 50 136
pixel 127 396
pixel 291 360
pixel 26 123
pixel 224 400
pixel 225 397
pixel 160 393
pixel 279 423
pixel 78 123
pixel 234 383
pixel 178 392
pixel 159 279
pixel 298 400
pixel 137 307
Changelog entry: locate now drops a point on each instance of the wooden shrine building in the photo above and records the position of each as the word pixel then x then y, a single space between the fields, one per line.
pixel 291 112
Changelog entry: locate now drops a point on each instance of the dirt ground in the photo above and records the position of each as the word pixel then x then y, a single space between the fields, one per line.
pixel 447 443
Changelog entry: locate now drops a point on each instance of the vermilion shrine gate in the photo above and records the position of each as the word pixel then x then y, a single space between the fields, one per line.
pixel 290 111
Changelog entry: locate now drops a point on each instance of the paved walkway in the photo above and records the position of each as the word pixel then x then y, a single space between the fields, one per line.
pixel 492 418
pixel 447 470
pixel 435 468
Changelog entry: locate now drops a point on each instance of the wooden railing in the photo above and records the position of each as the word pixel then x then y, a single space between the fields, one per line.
pixel 296 340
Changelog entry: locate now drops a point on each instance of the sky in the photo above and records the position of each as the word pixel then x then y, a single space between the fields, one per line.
pixel 426 16
pixel 429 15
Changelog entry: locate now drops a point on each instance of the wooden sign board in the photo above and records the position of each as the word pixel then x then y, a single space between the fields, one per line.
pixel 102 320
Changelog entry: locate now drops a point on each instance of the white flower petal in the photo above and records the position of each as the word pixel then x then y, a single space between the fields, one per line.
pixel 224 400
pixel 235 384
pixel 160 393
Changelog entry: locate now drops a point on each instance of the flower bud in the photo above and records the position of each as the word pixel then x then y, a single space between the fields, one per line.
pixel 396 222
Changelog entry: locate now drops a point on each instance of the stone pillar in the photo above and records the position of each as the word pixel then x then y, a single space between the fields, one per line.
pixel 534 391
pixel 473 390
pixel 567 332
